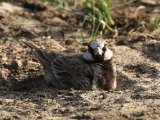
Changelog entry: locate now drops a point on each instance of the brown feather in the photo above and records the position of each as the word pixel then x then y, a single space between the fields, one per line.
pixel 65 71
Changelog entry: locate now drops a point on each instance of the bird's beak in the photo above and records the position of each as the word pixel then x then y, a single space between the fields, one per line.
pixel 98 51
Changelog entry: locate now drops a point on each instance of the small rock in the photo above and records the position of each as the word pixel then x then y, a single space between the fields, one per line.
pixel 4 74
pixel 69 42
pixel 138 114
pixel 83 49
pixel 49 37
pixel 9 100
pixel 150 2
pixel 14 64
pixel 121 42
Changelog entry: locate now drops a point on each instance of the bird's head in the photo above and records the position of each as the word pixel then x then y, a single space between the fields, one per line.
pixel 97 51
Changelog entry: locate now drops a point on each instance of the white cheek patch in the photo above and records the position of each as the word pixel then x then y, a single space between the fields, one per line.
pixel 101 45
pixel 88 56
pixel 108 54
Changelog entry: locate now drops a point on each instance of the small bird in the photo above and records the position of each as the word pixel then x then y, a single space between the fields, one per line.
pixel 92 69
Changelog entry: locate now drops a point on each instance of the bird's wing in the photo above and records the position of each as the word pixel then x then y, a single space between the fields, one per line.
pixel 72 71
pixel 66 70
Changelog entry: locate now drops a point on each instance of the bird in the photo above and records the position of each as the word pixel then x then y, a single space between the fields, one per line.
pixel 91 69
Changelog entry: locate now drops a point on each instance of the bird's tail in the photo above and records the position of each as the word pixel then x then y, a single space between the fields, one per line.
pixel 40 54
pixel 31 45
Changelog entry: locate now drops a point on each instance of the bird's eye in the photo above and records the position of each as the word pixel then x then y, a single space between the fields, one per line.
pixel 104 48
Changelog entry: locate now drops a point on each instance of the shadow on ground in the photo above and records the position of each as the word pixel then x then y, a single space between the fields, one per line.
pixel 152 51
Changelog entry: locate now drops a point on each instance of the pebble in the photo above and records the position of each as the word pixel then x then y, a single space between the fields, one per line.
pixel 14 64
pixel 69 42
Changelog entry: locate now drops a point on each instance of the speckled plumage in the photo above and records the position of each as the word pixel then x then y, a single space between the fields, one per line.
pixel 78 71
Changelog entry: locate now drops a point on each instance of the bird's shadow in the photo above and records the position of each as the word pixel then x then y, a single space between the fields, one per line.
pixel 126 83
pixel 38 92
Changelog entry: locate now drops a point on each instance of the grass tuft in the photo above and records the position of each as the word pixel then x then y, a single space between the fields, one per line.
pixel 155 23
pixel 99 13
pixel 46 102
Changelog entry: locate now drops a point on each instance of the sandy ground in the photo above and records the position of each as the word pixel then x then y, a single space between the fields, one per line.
pixel 25 95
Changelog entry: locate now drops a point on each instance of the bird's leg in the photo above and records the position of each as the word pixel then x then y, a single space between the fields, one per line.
pixel 95 81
